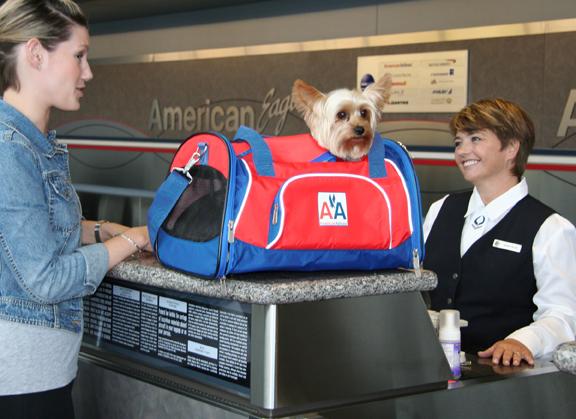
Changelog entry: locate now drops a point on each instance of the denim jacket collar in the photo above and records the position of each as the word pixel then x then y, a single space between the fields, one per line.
pixel 19 122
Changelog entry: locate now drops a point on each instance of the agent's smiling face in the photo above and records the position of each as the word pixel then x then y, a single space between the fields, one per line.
pixel 480 157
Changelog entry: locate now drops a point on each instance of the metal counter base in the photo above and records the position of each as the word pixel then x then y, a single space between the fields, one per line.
pixel 302 357
pixel 484 392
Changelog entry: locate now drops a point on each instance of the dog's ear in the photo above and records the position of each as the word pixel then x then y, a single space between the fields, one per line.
pixel 304 96
pixel 379 92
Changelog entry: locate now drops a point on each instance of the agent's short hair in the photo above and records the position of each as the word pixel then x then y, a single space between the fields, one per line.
pixel 505 119
pixel 21 20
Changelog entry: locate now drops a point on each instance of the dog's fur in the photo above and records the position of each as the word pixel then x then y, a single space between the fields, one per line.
pixel 343 121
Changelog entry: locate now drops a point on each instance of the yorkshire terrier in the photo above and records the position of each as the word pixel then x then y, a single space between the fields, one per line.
pixel 343 121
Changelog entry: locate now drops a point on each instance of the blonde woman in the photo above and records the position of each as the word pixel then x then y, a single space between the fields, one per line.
pixel 49 258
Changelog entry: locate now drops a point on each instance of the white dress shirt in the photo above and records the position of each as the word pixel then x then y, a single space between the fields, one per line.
pixel 554 259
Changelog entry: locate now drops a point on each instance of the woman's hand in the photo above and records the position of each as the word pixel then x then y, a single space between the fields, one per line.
pixel 140 236
pixel 124 245
pixel 107 230
pixel 110 229
pixel 509 352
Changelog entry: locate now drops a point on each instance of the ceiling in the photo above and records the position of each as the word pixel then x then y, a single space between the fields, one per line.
pixel 113 16
pixel 101 11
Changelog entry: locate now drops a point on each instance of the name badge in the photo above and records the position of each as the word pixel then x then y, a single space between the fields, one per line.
pixel 512 247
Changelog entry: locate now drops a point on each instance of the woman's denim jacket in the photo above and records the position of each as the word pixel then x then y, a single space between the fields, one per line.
pixel 44 273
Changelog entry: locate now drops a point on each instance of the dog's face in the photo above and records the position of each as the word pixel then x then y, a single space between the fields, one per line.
pixel 343 121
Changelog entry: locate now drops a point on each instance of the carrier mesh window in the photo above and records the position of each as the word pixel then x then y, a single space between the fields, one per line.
pixel 198 214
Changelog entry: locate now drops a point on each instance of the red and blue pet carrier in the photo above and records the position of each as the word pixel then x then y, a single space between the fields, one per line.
pixel 284 203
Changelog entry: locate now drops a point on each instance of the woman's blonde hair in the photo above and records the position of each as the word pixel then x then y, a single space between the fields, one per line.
pixel 505 119
pixel 21 20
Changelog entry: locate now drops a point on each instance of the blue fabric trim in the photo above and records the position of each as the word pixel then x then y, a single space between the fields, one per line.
pixel 326 157
pixel 376 157
pixel 165 199
pixel 251 258
pixel 244 154
pixel 203 147
pixel 187 256
pixel 399 155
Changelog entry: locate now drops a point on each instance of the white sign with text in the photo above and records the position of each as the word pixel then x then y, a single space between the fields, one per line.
pixel 423 82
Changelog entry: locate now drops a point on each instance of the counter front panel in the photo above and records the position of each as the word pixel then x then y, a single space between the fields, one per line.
pixel 190 335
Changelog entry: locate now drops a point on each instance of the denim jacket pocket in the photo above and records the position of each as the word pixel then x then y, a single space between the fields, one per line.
pixel 64 207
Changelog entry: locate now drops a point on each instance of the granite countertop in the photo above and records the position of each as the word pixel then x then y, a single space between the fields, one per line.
pixel 276 287
pixel 565 357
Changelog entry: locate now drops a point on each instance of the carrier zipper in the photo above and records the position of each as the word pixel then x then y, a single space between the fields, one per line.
pixel 416 263
pixel 418 197
pixel 224 246
pixel 230 231
pixel 404 147
pixel 275 214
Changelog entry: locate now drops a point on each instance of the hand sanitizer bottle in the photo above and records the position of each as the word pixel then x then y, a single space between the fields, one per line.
pixel 449 335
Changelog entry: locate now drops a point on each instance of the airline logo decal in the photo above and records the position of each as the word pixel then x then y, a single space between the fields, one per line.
pixel 332 209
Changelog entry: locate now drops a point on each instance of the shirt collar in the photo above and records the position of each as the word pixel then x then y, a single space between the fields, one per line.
pixel 499 206
pixel 13 118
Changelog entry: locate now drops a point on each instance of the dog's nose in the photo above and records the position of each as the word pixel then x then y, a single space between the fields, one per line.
pixel 358 130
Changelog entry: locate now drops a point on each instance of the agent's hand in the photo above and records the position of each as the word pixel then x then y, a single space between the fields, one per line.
pixel 509 352
pixel 502 369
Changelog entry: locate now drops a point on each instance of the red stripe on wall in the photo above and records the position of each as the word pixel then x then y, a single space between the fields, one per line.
pixel 123 148
pixel 555 167
pixel 434 162
pixel 529 166
pixel 417 161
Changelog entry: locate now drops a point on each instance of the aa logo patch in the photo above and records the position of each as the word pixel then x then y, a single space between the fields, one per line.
pixel 332 209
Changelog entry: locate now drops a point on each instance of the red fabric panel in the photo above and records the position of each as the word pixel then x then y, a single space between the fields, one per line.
pixel 217 152
pixel 332 212
pixel 366 208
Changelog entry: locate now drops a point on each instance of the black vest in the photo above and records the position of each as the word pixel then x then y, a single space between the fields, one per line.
pixel 491 287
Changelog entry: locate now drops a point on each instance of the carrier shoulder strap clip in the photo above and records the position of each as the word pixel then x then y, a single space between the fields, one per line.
pixel 194 158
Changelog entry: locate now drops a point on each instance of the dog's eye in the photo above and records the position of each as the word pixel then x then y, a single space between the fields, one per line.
pixel 341 115
pixel 364 114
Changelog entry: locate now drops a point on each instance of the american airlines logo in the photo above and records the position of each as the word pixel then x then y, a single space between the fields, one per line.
pixel 332 209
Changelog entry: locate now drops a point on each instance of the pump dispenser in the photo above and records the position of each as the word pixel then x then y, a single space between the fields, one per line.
pixel 449 335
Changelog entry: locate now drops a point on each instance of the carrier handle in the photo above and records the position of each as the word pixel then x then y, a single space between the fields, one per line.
pixel 376 156
pixel 263 157
pixel 260 151
pixel 164 201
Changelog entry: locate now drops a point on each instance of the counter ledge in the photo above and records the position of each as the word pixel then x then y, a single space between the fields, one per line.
pixel 276 287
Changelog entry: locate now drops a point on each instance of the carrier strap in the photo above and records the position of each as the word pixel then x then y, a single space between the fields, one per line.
pixel 376 157
pixel 262 155
pixel 165 199
pixel 260 151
